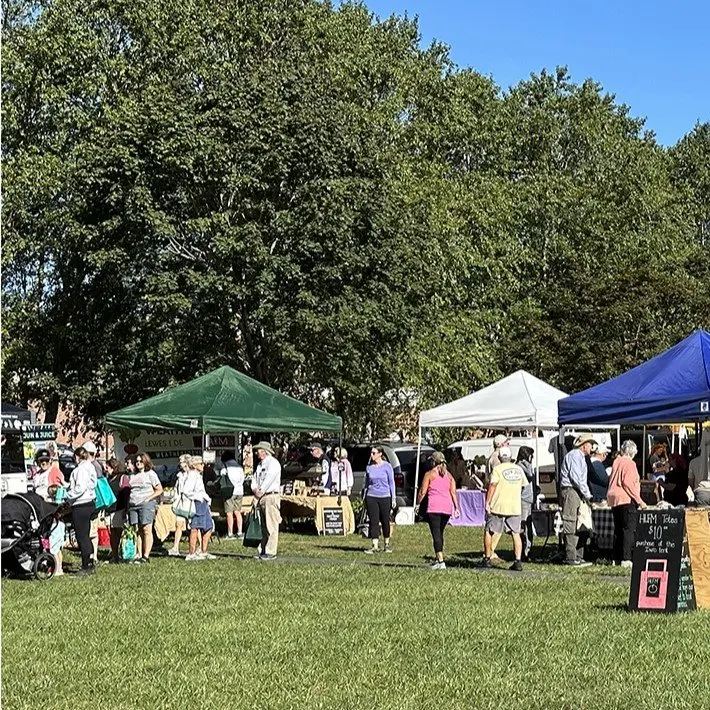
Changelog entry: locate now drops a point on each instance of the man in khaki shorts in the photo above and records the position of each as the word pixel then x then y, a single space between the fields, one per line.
pixel 504 507
pixel 233 505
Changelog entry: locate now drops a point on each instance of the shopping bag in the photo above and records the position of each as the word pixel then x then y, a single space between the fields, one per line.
pixel 252 535
pixel 224 487
pixel 584 518
pixel 128 543
pixel 105 497
pixel 184 507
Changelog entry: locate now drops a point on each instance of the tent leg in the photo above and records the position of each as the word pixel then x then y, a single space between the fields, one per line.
pixel 416 470
pixel 340 469
pixel 537 465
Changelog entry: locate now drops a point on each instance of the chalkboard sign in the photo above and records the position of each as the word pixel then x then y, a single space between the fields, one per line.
pixel 333 521
pixel 288 487
pixel 661 578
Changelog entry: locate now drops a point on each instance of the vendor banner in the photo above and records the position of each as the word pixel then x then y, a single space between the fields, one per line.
pixel 165 446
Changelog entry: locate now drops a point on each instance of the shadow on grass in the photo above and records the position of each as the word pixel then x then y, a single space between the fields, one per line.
pixel 612 607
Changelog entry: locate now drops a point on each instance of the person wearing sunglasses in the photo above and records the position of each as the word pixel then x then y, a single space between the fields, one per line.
pixel 145 492
pixel 47 475
pixel 380 498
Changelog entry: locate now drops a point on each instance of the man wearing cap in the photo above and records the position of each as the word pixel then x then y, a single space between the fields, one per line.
pixel 573 490
pixel 504 507
pixel 598 478
pixel 494 458
pixel 317 450
pixel 267 498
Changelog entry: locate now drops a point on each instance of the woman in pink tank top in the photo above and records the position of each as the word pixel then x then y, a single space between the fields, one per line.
pixel 443 502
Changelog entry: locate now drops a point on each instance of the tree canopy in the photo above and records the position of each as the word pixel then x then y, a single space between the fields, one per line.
pixel 302 191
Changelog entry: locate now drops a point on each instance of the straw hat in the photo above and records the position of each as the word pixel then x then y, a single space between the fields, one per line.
pixel 584 439
pixel 266 446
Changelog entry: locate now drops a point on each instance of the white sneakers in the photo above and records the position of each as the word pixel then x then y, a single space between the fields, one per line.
pixel 197 556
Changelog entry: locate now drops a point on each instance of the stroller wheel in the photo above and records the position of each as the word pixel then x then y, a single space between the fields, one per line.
pixel 44 567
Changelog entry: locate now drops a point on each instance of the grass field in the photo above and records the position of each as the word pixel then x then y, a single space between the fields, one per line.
pixel 333 628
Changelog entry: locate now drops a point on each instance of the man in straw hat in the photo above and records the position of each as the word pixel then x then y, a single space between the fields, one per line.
pixel 267 498
pixel 573 490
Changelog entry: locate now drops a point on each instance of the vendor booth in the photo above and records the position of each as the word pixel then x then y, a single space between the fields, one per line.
pixel 217 407
pixel 519 401
pixel 671 564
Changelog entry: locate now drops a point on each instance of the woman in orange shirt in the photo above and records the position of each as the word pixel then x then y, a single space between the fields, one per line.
pixel 624 497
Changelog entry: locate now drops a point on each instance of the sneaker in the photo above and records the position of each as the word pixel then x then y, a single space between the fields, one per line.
pixel 577 563
pixel 229 536
pixel 434 565
pixel 388 548
pixel 85 571
pixel 370 551
pixel 266 558
pixel 172 552
pixel 257 556
pixel 59 573
pixel 206 556
pixel 145 560
pixel 240 536
pixel 627 563
pixel 517 566
pixel 486 562
pixel 440 565
pixel 194 557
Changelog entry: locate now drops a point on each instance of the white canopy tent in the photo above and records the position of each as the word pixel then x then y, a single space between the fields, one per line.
pixel 518 401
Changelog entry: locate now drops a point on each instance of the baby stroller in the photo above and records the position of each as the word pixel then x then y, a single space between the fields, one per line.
pixel 26 521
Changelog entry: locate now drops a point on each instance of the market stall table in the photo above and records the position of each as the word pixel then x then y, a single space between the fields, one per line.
pixel 293 506
pixel 473 509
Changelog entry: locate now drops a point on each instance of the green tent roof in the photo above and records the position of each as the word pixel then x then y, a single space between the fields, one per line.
pixel 223 401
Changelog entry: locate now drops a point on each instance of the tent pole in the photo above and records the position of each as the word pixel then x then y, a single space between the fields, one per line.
pixel 643 454
pixel 416 469
pixel 340 469
pixel 537 463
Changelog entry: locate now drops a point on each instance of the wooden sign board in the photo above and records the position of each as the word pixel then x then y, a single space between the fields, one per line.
pixel 333 523
pixel 288 487
pixel 661 578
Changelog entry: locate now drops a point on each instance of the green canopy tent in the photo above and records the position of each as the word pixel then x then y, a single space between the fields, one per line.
pixel 223 400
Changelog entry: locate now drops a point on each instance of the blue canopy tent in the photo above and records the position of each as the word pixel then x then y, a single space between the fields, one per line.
pixel 671 387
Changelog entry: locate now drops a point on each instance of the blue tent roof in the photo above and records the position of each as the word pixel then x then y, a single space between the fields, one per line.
pixel 671 387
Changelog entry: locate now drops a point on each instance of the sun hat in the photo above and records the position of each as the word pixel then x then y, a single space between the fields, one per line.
pixel 584 439
pixel 266 446
pixel 89 447
pixel 500 440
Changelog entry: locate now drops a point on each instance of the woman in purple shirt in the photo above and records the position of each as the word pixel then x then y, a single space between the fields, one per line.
pixel 380 498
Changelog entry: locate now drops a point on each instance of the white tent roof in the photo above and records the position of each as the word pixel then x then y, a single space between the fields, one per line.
pixel 517 401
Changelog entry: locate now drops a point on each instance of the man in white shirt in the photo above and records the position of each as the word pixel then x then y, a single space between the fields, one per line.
pixel 233 504
pixel 267 498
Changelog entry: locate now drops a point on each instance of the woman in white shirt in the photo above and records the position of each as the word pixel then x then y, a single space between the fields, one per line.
pixel 180 522
pixel 345 477
pixel 82 498
pixel 194 489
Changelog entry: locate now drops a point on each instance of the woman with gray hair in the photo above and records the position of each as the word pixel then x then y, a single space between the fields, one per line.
pixel 624 497
pixel 180 522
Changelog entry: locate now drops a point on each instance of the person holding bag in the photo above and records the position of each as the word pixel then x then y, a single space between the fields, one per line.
pixel 380 498
pixel 81 496
pixel 182 507
pixel 234 474
pixel 201 521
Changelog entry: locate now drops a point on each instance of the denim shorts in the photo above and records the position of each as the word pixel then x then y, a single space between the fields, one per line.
pixel 202 519
pixel 142 514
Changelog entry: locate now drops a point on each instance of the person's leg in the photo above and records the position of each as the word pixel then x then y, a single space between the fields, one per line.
pixel 443 522
pixel 570 507
pixel 230 523
pixel 115 536
pixel 81 517
pixel 495 539
pixel 487 544
pixel 94 535
pixel 581 543
pixel 435 530
pixel 273 520
pixel 240 520
pixel 517 546
pixel 618 515
pixel 193 541
pixel 373 512
pixel 206 535
pixel 385 508
pixel 59 558
pixel 629 533
pixel 179 529
pixel 264 529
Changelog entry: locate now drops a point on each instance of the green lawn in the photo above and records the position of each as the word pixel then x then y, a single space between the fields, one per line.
pixel 296 634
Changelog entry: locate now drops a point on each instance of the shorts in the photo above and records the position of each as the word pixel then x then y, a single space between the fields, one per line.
pixel 503 523
pixel 202 519
pixel 118 519
pixel 233 505
pixel 142 514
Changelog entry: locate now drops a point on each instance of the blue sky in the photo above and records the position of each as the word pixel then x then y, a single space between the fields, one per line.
pixel 654 56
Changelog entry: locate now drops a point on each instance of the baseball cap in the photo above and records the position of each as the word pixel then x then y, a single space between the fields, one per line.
pixel 89 447
pixel 500 439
